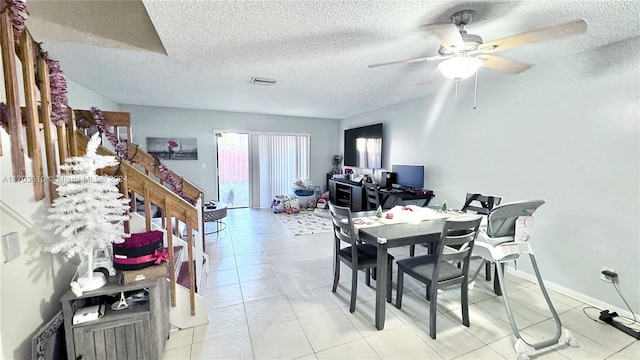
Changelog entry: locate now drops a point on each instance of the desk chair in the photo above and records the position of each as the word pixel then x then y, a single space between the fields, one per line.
pixel 357 256
pixel 483 204
pixel 480 204
pixel 435 270
pixel 373 198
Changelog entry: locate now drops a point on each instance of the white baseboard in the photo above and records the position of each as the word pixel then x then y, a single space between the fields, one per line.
pixel 570 293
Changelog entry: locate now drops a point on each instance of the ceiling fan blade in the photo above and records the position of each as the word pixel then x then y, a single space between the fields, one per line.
pixel 502 64
pixel 538 35
pixel 435 74
pixel 448 34
pixel 426 58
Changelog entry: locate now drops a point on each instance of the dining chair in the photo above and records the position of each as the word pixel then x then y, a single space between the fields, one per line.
pixel 373 198
pixel 483 204
pixel 480 204
pixel 356 255
pixel 477 204
pixel 436 271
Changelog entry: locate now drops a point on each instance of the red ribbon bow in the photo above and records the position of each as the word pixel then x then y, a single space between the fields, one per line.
pixel 161 256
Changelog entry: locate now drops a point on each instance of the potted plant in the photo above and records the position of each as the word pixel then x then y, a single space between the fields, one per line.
pixel 335 164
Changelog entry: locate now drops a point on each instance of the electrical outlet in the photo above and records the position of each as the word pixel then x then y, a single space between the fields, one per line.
pixel 604 277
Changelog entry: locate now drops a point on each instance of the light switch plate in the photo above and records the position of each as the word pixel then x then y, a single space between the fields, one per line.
pixel 10 246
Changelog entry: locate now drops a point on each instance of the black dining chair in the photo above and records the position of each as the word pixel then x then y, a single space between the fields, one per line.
pixel 356 255
pixel 480 204
pixel 436 271
pixel 373 198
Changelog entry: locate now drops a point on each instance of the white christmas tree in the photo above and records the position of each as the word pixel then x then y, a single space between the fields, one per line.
pixel 90 211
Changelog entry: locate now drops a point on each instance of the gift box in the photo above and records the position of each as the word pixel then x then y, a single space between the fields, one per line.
pixel 151 272
pixel 139 251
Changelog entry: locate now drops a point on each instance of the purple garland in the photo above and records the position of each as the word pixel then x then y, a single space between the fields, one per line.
pixel 17 11
pixel 168 179
pixel 58 86
pixel 57 81
pixel 121 150
pixel 120 147
pixel 4 118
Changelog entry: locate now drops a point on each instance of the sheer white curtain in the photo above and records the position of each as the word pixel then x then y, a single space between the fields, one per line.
pixel 277 161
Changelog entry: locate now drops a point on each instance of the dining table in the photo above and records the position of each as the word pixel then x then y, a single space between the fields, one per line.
pixel 409 226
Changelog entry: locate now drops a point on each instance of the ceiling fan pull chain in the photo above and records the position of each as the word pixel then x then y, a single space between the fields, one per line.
pixel 475 93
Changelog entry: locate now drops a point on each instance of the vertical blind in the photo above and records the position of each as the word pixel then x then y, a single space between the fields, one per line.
pixel 279 161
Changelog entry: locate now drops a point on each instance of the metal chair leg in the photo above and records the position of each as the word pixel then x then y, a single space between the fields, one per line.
pixel 496 280
pixel 433 304
pixel 336 274
pixel 399 288
pixel 487 270
pixel 389 279
pixel 354 289
pixel 464 300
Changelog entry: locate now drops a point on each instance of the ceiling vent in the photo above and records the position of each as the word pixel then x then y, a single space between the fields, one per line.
pixel 262 81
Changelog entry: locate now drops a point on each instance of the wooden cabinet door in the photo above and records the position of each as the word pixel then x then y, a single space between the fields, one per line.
pixel 332 191
pixel 356 198
pixel 125 339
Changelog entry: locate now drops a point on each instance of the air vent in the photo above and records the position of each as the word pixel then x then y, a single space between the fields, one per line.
pixel 262 81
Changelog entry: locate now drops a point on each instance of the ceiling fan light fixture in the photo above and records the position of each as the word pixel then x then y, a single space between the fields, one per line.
pixel 459 67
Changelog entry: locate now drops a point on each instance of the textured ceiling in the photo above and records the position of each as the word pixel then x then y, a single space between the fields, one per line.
pixel 202 54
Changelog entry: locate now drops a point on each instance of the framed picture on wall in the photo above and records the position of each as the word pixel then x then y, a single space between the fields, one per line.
pixel 173 148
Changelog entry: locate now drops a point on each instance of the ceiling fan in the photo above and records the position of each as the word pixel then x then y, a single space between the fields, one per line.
pixel 463 53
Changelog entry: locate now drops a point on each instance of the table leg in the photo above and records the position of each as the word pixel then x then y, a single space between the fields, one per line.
pixel 381 284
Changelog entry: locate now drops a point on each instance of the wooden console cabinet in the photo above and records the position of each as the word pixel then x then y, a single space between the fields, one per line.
pixel 137 332
pixel 348 194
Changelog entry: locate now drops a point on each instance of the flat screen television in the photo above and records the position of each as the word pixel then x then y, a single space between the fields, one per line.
pixel 363 147
pixel 410 176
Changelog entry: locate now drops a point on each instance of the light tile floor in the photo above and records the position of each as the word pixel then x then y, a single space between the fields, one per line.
pixel 269 297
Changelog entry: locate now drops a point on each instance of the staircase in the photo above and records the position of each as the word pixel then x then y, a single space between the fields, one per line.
pixel 181 216
pixel 181 221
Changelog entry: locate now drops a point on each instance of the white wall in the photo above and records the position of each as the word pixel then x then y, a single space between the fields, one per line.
pixel 172 122
pixel 567 132
pixel 81 97
pixel 33 283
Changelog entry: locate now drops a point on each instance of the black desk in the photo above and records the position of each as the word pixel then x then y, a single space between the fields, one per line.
pixel 389 236
pixel 391 198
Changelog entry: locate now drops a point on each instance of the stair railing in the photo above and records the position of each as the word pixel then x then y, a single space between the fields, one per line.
pixel 151 167
pixel 69 142
pixel 173 207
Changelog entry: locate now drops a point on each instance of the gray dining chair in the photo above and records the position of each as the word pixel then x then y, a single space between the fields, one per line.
pixel 373 198
pixel 476 204
pixel 480 204
pixel 356 255
pixel 483 204
pixel 436 271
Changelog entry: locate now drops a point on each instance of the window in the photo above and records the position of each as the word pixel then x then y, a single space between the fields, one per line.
pixel 277 161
